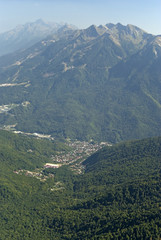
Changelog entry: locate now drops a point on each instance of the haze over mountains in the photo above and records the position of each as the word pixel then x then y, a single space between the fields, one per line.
pixel 101 82
pixel 24 36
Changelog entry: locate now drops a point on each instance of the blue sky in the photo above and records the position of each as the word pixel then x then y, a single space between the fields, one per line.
pixel 82 13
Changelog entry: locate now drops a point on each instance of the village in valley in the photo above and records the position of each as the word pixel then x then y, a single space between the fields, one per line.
pixel 74 158
pixel 80 151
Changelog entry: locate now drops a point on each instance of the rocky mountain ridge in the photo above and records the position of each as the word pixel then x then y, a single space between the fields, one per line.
pixel 101 82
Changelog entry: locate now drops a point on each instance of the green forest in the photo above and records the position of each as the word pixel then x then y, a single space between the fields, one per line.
pixel 118 196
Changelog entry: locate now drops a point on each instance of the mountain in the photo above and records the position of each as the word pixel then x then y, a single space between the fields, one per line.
pixel 123 180
pixel 24 36
pixel 101 83
pixel 20 183
pixel 117 196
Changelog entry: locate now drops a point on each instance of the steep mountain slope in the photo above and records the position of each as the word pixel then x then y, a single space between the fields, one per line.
pixel 85 84
pixel 24 36
pixel 118 196
pixel 140 78
pixel 124 181
pixel 21 192
pixel 138 155
pixel 23 152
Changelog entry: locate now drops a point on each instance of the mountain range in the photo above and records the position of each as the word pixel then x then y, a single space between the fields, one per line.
pixel 100 83
pixel 24 36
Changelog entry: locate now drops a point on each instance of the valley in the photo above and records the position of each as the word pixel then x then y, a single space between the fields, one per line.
pixel 49 192
pixel 73 158
pixel 80 127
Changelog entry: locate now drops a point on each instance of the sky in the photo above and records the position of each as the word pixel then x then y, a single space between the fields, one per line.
pixel 82 13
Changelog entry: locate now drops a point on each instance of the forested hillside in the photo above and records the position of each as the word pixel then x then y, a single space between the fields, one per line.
pixel 117 196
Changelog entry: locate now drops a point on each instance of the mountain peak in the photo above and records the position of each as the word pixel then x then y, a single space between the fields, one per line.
pixel 155 46
pixel 157 40
pixel 40 20
pixel 94 31
pixel 24 36
pixel 122 27
pixel 109 25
